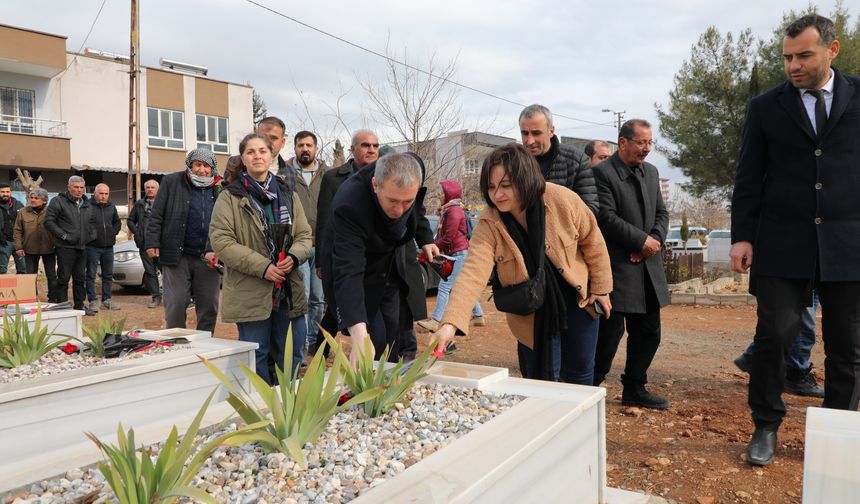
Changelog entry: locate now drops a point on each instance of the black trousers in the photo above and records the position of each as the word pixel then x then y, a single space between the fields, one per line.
pixel 780 304
pixel 72 263
pixel 643 339
pixel 49 261
pixel 150 274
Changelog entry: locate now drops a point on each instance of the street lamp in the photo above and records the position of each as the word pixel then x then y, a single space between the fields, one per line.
pixel 619 116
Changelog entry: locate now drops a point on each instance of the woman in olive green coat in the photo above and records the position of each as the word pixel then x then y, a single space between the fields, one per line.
pixel 260 232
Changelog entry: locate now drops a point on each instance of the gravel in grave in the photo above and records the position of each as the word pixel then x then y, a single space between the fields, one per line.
pixel 56 361
pixel 354 454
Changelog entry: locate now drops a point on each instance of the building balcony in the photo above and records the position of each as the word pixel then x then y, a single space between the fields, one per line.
pixel 29 142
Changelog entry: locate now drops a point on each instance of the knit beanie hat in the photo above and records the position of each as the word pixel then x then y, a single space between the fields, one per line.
pixel 204 155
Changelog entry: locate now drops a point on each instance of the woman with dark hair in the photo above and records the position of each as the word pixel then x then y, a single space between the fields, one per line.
pixel 260 232
pixel 548 253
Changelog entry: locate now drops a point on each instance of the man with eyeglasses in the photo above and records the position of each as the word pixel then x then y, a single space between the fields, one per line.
pixel 561 164
pixel 795 223
pixel 634 221
pixel 365 150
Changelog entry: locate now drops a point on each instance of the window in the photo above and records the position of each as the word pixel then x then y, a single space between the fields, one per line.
pixel 473 167
pixel 212 133
pixel 165 128
pixel 16 110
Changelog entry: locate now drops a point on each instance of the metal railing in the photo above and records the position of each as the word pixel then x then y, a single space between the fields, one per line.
pixel 32 126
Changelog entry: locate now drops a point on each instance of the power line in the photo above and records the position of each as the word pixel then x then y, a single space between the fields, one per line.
pixel 92 25
pixel 412 67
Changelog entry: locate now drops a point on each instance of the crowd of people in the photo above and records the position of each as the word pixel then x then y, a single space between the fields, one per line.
pixel 570 241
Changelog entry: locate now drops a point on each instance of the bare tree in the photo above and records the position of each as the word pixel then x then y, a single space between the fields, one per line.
pixel 419 105
pixel 709 213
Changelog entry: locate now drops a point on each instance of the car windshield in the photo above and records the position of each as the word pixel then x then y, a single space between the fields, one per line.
pixel 674 234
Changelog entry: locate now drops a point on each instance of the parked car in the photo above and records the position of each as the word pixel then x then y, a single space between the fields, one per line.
pixel 694 244
pixel 127 266
pixel 719 245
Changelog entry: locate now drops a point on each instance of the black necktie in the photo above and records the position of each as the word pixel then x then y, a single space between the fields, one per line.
pixel 820 110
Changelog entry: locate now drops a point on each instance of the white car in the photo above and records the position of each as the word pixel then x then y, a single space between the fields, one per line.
pixel 127 266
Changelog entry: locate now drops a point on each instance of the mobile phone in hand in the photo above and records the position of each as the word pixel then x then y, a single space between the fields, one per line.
pixel 599 309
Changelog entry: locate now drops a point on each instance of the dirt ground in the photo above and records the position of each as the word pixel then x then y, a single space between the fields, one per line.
pixel 689 453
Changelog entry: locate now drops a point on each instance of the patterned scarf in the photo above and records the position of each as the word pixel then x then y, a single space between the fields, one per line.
pixel 271 205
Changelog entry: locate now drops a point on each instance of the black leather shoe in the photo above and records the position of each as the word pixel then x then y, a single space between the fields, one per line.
pixel 644 399
pixel 761 447
pixel 743 363
pixel 802 384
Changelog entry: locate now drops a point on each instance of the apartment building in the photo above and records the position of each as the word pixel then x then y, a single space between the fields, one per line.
pixel 63 113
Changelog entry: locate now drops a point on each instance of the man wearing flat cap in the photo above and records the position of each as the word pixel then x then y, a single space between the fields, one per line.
pixel 177 233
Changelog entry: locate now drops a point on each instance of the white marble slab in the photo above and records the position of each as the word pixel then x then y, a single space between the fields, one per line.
pixel 831 460
pixel 43 420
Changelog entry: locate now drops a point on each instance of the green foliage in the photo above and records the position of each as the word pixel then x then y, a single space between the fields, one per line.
pixel 95 341
pixel 19 344
pixel 394 385
pixel 298 409
pixel 685 230
pixel 134 478
pixel 703 121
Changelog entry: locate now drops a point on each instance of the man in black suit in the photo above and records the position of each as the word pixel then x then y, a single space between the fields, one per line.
pixel 795 206
pixel 373 215
pixel 634 222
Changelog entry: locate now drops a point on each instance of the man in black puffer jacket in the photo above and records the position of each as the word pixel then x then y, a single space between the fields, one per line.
pixel 177 233
pixel 105 221
pixel 68 219
pixel 560 164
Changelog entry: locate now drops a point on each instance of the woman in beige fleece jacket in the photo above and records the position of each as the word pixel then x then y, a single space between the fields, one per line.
pixel 526 217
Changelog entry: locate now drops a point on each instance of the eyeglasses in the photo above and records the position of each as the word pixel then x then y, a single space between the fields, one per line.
pixel 365 145
pixel 642 143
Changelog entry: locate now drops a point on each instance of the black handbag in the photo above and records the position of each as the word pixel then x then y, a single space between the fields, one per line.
pixel 523 298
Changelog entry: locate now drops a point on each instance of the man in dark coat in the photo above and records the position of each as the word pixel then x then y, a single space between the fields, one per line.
pixel 136 221
pixel 374 214
pixel 560 164
pixel 178 235
pixel 365 150
pixel 68 219
pixel 634 222
pixel 105 221
pixel 795 206
pixel 9 208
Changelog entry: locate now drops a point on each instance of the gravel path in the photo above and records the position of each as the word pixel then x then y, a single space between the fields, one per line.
pixel 354 454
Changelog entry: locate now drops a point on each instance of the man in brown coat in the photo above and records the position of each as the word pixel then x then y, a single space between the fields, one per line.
pixel 34 242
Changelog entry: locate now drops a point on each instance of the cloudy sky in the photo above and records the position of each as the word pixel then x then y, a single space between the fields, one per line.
pixel 575 57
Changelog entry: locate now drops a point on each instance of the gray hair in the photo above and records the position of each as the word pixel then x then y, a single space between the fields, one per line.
pixel 74 179
pixel 361 132
pixel 824 26
pixel 153 181
pixel 96 188
pixel 531 110
pixel 402 169
pixel 40 193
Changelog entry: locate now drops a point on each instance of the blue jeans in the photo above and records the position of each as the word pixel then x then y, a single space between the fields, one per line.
pixel 572 353
pixel 271 336
pixel 314 295
pixel 95 257
pixel 444 289
pixel 798 355
pixel 8 249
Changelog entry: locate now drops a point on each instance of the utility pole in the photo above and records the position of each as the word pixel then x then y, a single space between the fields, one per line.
pixel 619 117
pixel 133 87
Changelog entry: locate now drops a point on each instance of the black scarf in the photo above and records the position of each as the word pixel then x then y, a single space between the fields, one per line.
pixel 551 317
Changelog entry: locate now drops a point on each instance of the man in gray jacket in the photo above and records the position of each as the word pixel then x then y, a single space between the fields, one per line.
pixel 68 219
pixel 560 164
pixel 106 223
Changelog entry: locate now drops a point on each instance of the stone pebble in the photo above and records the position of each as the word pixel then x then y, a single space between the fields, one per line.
pixel 355 453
